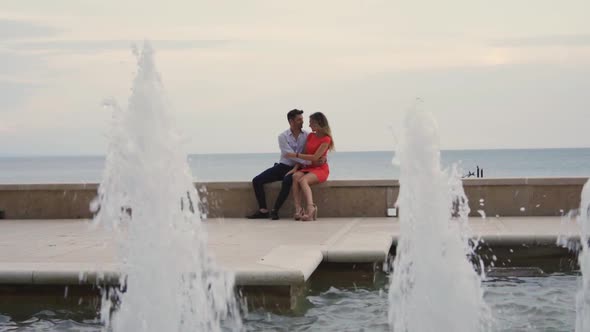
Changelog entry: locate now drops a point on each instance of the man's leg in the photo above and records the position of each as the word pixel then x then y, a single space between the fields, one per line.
pixel 272 174
pixel 282 197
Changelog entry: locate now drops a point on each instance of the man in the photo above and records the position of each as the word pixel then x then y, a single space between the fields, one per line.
pixel 291 140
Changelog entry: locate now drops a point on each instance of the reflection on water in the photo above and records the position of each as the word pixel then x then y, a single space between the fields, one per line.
pixel 519 304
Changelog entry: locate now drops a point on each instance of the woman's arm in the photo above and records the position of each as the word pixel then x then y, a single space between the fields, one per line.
pixel 311 157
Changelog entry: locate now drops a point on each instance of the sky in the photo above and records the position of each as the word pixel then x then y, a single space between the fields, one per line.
pixel 495 74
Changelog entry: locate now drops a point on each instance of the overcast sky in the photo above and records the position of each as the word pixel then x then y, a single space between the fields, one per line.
pixel 496 74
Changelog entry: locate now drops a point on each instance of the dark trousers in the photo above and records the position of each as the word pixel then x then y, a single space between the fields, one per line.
pixel 273 174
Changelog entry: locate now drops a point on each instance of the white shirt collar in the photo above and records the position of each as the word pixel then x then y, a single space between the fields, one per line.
pixel 289 132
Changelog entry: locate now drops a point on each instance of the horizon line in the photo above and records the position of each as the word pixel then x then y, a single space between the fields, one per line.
pixel 58 155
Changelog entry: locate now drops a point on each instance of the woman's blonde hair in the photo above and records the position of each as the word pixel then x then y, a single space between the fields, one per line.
pixel 322 122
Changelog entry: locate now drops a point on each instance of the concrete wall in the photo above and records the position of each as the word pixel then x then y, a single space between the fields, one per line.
pixel 524 197
pixel 52 201
pixel 361 198
pixel 334 198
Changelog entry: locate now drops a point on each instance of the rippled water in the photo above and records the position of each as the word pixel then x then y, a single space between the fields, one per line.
pixel 534 304
pixel 343 165
pixel 518 304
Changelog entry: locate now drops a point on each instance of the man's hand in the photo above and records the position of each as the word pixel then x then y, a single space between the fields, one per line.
pixel 320 161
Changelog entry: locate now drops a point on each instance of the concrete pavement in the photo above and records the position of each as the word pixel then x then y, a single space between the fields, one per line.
pixel 260 252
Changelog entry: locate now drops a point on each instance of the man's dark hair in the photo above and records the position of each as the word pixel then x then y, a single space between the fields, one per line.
pixel 293 113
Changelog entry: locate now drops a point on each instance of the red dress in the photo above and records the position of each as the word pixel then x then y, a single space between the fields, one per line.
pixel 313 143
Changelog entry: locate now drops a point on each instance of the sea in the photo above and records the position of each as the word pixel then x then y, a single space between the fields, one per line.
pixel 366 165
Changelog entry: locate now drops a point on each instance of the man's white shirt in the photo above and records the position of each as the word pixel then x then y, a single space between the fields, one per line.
pixel 289 144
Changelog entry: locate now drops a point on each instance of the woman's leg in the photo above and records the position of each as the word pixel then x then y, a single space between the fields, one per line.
pixel 305 183
pixel 297 191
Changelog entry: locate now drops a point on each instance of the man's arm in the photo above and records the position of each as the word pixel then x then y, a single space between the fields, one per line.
pixel 317 156
pixel 320 161
pixel 285 148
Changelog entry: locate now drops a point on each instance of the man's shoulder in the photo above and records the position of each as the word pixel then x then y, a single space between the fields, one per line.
pixel 285 133
pixel 305 133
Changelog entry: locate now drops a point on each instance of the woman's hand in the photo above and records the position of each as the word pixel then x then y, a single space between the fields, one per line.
pixel 290 155
pixel 293 170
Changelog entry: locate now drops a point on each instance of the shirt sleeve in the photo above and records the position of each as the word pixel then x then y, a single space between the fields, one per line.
pixel 284 145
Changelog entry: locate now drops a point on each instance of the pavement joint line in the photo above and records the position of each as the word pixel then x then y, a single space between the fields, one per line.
pixel 337 236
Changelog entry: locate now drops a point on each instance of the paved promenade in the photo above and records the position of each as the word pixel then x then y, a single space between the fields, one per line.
pixel 260 252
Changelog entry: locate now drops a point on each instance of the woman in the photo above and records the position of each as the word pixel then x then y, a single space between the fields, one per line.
pixel 319 141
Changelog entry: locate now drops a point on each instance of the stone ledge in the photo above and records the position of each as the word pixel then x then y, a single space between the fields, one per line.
pixel 560 181
pixel 537 181
pixel 356 256
pixel 16 277
pixel 49 186
pixel 523 240
pixel 338 198
pixel 265 278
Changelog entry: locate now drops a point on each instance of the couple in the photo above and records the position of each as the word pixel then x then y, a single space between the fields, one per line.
pixel 303 163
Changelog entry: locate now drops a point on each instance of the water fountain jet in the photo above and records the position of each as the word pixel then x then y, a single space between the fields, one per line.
pixel 434 286
pixel 583 294
pixel 171 282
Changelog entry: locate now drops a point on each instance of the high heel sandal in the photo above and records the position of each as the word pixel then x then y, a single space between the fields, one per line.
pixel 298 214
pixel 313 216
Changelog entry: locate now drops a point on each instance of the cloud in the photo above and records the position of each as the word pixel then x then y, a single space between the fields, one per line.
pixel 18 64
pixel 16 29
pixel 109 45
pixel 580 40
